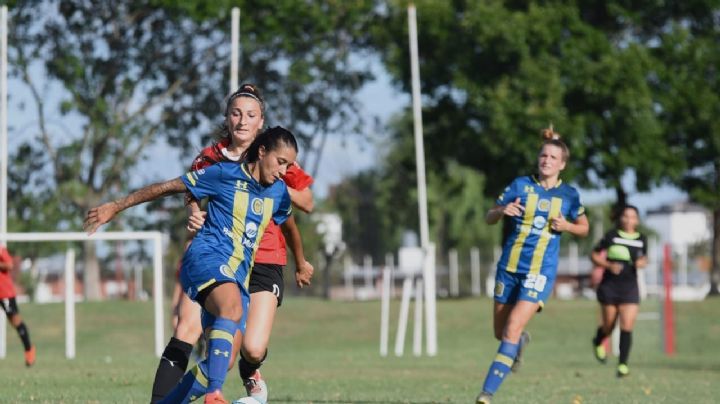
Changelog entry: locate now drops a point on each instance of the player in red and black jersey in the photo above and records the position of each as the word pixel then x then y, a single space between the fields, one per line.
pixel 9 304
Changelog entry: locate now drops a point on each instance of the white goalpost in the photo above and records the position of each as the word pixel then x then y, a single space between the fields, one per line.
pixel 154 236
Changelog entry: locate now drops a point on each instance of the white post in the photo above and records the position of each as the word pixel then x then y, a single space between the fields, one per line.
pixel 158 295
pixel 70 304
pixel 417 332
pixel 138 281
pixel 573 261
pixel 615 339
pixel 385 311
pixel 475 287
pixel 367 273
pixel 348 275
pixel 430 313
pixel 402 320
pixel 4 151
pixel 428 272
pixel 453 273
pixel 234 48
pixel 390 263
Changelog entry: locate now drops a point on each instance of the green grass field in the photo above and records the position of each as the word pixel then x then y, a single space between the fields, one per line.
pixel 329 353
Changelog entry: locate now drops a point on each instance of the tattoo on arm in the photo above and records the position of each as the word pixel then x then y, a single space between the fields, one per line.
pixel 151 192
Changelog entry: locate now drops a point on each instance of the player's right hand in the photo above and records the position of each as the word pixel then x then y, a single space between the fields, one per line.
pixel 514 208
pixel 616 267
pixel 98 216
pixel 196 221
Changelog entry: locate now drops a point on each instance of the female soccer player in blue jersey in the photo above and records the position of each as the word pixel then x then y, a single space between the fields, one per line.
pixel 242 199
pixel 540 208
pixel 244 118
pixel 620 252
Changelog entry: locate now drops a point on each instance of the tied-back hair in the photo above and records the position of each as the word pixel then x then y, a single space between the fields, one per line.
pixel 246 90
pixel 550 137
pixel 270 139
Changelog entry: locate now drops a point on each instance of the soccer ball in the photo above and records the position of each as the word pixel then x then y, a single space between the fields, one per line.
pixel 246 400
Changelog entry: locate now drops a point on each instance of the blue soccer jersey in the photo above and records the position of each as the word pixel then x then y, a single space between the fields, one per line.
pixel 239 209
pixel 533 247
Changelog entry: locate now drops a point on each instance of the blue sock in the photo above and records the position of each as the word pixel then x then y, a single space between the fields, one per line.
pixel 500 366
pixel 219 350
pixel 192 386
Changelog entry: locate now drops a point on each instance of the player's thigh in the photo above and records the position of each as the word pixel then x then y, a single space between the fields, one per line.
pixel 263 306
pixel 519 317
pixel 628 315
pixel 188 328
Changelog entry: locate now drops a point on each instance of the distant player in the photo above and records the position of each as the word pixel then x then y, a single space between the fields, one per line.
pixel 242 199
pixel 541 208
pixel 9 304
pixel 620 252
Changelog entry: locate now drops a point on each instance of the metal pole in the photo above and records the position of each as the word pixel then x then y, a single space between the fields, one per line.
pixel 234 48
pixel 4 151
pixel 158 295
pixel 70 304
pixel 429 272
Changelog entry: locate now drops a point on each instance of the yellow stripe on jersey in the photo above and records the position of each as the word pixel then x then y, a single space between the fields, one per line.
pixel 221 334
pixel 199 376
pixel 268 204
pixel 545 235
pixel 206 284
pixel 525 228
pixel 504 359
pixel 240 207
pixel 190 178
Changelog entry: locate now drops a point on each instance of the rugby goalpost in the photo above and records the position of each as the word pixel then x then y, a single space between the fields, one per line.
pixel 155 236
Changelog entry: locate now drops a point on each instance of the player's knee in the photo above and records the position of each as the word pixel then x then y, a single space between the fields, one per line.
pixel 189 332
pixel 254 353
pixel 232 311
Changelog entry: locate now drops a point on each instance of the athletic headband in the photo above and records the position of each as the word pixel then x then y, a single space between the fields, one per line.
pixel 251 95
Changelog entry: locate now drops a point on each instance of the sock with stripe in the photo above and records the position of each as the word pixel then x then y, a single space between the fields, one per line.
pixel 172 366
pixel 220 344
pixel 500 366
pixel 192 386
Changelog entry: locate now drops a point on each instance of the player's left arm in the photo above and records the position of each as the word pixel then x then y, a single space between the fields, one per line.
pixel 303 199
pixel 579 227
pixel 578 224
pixel 303 269
pixel 298 182
pixel 104 213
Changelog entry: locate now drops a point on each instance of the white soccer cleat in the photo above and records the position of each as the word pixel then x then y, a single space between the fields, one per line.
pixel 246 400
pixel 256 388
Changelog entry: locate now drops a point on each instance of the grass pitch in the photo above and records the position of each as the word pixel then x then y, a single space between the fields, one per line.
pixel 328 352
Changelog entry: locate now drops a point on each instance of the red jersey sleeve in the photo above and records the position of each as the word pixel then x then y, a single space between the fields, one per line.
pixel 296 178
pixel 210 155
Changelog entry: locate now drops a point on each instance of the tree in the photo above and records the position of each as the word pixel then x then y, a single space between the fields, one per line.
pixel 125 75
pixel 495 73
pixel 688 99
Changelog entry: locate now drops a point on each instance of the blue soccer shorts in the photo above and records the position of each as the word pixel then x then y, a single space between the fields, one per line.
pixel 511 287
